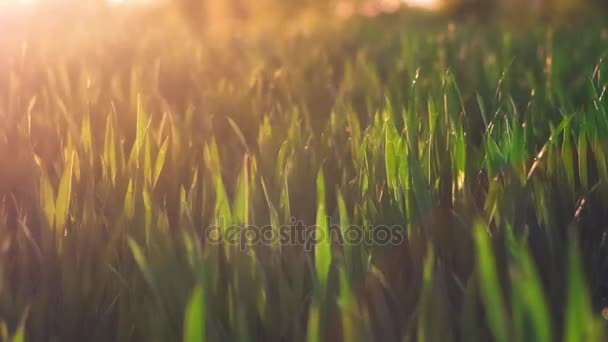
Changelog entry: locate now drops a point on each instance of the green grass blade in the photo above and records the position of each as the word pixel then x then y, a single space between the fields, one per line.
pixel 323 245
pixel 160 162
pixel 491 291
pixel 62 203
pixel 581 324
pixel 194 317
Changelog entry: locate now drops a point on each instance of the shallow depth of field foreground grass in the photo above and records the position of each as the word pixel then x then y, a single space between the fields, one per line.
pixel 123 160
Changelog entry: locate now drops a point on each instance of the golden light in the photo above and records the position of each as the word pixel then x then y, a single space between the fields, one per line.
pixel 384 4
pixel 17 2
pixel 428 4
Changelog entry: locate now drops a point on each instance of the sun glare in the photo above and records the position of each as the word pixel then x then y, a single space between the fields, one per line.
pixel 17 2
pixel 429 4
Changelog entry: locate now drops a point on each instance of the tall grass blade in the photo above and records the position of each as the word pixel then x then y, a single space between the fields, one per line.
pixel 194 317
pixel 489 284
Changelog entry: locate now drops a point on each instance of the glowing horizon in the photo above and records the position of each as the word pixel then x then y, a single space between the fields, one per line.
pixel 415 3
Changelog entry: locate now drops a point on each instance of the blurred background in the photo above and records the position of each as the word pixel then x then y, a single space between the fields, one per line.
pixel 263 18
pixel 206 13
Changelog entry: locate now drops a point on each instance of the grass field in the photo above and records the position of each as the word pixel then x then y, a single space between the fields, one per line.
pixel 456 178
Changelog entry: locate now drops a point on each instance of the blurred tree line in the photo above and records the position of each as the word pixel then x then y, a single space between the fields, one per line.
pixel 200 10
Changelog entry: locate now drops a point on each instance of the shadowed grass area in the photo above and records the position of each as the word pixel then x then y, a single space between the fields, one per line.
pixel 480 154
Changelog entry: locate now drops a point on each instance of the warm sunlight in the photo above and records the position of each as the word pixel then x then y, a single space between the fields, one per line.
pixel 4 3
pixel 430 4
